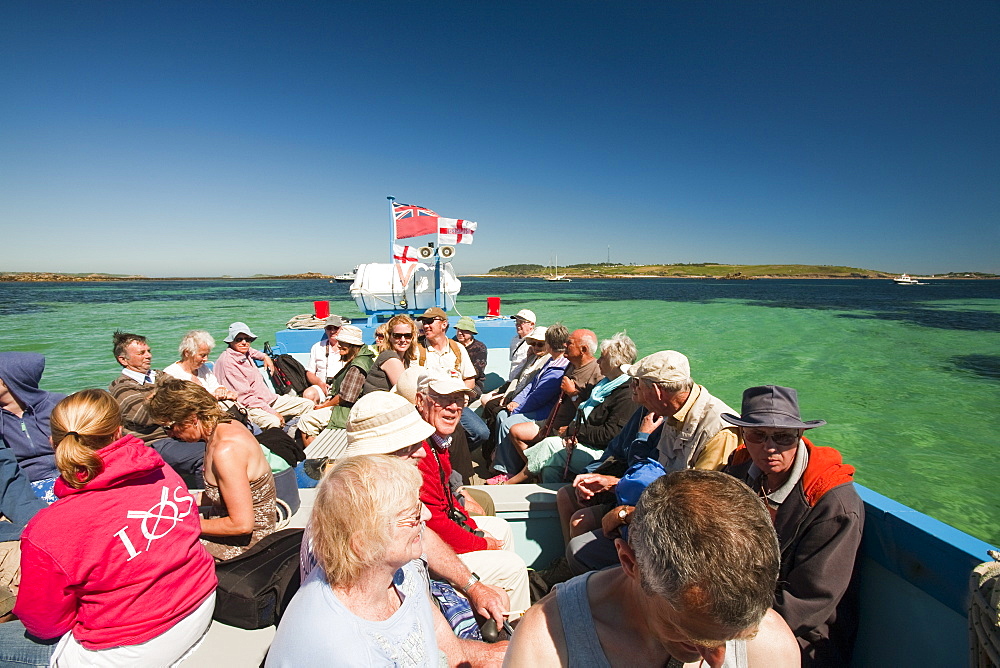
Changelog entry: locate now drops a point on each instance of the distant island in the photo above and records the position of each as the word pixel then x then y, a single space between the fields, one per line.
pixel 708 270
pixel 54 277
pixel 735 272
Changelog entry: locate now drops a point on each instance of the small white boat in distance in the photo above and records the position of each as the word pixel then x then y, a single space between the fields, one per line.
pixel 347 278
pixel 556 277
pixel 906 280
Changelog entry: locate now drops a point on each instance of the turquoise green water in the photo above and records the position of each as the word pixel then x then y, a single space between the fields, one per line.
pixel 909 382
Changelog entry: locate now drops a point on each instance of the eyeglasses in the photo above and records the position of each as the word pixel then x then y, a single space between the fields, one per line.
pixel 446 400
pixel 411 521
pixel 782 439
pixel 536 344
pixel 401 335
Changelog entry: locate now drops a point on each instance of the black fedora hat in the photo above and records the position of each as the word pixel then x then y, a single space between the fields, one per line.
pixel 771 406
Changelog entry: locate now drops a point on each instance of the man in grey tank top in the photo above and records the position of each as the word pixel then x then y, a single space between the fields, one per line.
pixel 695 584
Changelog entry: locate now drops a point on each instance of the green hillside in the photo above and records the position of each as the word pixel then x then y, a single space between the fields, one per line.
pixel 704 269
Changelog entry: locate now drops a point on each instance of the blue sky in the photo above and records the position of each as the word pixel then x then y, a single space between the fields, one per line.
pixel 210 138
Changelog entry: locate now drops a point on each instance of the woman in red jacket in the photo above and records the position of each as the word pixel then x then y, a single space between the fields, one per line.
pixel 114 566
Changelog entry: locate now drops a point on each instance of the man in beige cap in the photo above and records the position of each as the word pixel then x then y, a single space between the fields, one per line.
pixel 452 359
pixel 693 436
pixel 382 423
pixel 524 322
pixel 485 543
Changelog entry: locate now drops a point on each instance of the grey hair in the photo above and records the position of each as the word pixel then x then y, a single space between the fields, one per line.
pixel 194 340
pixel 589 340
pixel 677 386
pixel 705 542
pixel 556 336
pixel 619 349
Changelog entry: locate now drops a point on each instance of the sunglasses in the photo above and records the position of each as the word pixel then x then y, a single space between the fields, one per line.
pixel 427 321
pixel 240 339
pixel 782 439
pixel 404 335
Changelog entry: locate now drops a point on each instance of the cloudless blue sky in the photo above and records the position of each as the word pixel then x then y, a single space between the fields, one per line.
pixel 209 138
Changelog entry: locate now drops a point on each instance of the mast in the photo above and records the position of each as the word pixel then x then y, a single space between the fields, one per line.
pixel 392 228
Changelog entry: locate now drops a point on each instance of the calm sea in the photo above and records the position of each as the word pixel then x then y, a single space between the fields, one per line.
pixel 908 378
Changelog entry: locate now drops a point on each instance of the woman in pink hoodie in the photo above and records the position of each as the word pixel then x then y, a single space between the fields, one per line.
pixel 114 566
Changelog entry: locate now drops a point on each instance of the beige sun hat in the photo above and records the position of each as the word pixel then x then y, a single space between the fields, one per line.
pixel 406 384
pixel 537 334
pixel 351 335
pixel 666 366
pixel 383 422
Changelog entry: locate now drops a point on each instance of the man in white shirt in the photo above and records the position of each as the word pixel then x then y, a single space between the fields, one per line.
pixel 324 358
pixel 524 322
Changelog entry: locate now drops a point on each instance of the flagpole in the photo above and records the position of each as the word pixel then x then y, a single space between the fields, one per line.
pixel 392 227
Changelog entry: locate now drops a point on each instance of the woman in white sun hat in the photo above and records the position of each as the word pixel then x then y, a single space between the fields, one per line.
pixel 345 386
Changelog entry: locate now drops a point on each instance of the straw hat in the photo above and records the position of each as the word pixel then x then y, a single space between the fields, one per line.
pixel 383 422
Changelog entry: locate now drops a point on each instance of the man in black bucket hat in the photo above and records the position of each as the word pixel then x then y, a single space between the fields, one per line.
pixel 817 515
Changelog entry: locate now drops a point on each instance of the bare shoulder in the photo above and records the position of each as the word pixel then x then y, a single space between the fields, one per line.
pixel 774 645
pixel 538 639
pixel 235 435
pixel 234 444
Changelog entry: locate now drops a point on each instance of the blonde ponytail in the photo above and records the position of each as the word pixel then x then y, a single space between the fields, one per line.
pixel 83 423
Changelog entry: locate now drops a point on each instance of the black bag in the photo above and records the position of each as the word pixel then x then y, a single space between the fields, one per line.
pixel 239 414
pixel 288 373
pixel 277 441
pixel 255 587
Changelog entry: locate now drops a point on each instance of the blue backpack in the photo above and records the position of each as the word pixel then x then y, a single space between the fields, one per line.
pixel 635 481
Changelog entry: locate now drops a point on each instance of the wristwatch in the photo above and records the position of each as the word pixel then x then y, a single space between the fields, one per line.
pixel 473 579
pixel 623 514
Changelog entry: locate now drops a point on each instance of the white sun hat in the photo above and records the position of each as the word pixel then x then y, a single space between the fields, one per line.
pixel 383 422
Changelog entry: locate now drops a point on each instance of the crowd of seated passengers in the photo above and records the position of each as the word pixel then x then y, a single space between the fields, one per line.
pixel 97 586
pixel 807 489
